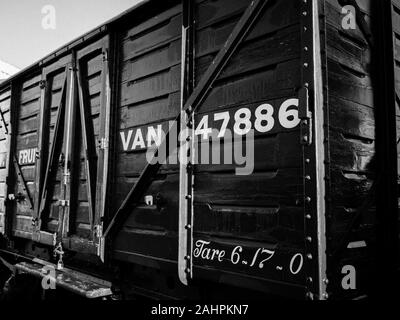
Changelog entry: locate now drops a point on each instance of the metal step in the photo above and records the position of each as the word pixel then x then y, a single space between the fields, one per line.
pixel 70 280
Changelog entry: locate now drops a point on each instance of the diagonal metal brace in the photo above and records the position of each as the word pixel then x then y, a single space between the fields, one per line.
pixel 21 178
pixel 4 122
pixel 239 33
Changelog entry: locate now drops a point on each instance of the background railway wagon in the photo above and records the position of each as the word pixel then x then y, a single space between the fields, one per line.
pixel 73 166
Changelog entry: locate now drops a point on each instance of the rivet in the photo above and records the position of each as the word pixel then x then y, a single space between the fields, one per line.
pixel 308 178
pixel 309 256
pixel 310 280
pixel 308 199
pixel 326 281
pixel 309 239
pixel 188 197
pixel 308 160
pixel 305 138
pixel 188 227
pixel 308 217
pixel 304 13
pixel 187 270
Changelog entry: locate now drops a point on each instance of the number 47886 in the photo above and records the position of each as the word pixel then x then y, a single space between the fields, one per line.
pixel 264 120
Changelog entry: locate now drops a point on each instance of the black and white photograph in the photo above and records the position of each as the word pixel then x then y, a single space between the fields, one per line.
pixel 199 157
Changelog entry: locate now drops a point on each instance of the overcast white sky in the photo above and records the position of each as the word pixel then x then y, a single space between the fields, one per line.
pixel 23 40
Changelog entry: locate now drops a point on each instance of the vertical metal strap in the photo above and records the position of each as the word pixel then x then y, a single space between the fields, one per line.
pixel 43 141
pixel 103 176
pixel 313 152
pixel 63 228
pixel 186 151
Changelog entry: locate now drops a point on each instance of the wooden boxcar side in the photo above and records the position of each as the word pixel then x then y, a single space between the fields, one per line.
pixel 74 150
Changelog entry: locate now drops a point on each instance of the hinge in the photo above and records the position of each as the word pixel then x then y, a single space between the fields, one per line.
pixel 103 144
pixel 42 84
pixel 105 55
pixel 67 177
pixel 305 116
pixel 63 203
pixel 98 231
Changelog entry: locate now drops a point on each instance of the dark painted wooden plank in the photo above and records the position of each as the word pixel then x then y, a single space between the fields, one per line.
pixel 211 12
pixel 269 188
pixel 151 88
pixel 281 81
pixel 29 109
pixel 350 86
pixel 32 93
pixel 351 118
pixel 155 37
pixel 154 22
pixel 5 105
pixel 153 62
pixel 352 154
pixel 5 94
pixel 156 111
pixel 33 81
pixel 255 56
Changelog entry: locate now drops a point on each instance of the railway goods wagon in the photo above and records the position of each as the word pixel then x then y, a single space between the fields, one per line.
pixel 208 149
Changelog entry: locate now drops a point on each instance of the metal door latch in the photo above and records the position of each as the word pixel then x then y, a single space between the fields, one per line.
pixel 58 251
pixel 305 116
pixel 98 231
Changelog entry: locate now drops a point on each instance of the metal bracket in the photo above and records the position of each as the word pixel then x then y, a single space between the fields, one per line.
pixel 67 178
pixel 42 84
pixel 103 144
pixel 305 116
pixel 58 251
pixel 63 203
pixel 98 231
